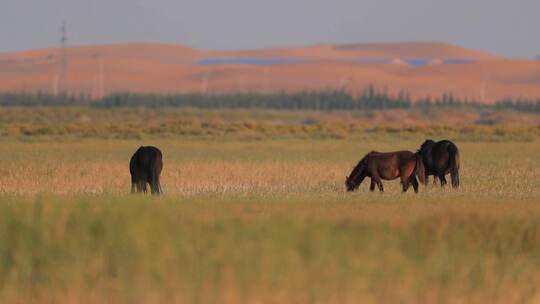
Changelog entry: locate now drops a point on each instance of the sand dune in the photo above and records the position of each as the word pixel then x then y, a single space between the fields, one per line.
pixel 421 69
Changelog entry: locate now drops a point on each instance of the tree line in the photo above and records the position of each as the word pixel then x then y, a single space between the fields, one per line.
pixel 371 99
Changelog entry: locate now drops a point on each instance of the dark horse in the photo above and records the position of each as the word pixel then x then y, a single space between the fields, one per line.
pixel 441 158
pixel 145 167
pixel 388 166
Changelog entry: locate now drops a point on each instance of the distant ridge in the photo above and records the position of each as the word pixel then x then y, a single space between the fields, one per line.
pixel 420 68
pixel 419 50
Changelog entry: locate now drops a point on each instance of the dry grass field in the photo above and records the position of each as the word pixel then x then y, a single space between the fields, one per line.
pixel 309 167
pixel 260 215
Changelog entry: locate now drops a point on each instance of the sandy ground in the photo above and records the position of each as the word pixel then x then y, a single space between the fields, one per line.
pixel 160 68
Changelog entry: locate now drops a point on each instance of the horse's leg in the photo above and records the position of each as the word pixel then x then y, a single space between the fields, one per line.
pixel 154 189
pixel 404 180
pixel 414 183
pixel 143 186
pixel 375 177
pixel 154 182
pixel 380 185
pixel 405 185
pixel 443 180
pixel 372 186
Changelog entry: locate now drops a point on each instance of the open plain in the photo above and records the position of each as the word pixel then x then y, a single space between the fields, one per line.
pixel 255 210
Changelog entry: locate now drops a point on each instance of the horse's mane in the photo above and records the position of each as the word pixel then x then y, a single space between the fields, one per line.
pixel 362 161
pixel 425 144
pixel 357 167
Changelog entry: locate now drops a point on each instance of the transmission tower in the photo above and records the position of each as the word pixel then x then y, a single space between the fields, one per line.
pixel 62 78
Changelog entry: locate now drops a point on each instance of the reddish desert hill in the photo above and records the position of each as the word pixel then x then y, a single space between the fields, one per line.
pixel 421 69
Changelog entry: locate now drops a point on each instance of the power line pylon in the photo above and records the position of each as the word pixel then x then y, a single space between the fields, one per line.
pixel 62 77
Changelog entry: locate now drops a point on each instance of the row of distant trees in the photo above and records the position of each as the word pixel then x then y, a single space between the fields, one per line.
pixel 325 100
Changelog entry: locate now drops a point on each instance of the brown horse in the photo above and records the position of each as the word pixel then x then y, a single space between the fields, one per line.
pixel 441 158
pixel 388 166
pixel 145 167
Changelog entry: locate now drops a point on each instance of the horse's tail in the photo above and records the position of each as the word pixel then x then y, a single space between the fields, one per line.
pixel 156 186
pixel 420 170
pixel 453 154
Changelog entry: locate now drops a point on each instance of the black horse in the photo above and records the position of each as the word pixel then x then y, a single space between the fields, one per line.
pixel 441 158
pixel 405 165
pixel 145 167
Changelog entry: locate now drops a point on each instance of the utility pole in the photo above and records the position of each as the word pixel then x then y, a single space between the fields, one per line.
pixel 102 80
pixel 61 87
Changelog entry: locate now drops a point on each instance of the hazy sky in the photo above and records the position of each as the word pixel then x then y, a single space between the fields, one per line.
pixel 504 27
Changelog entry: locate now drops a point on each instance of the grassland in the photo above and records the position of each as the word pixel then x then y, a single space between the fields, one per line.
pixel 252 216
pixel 72 123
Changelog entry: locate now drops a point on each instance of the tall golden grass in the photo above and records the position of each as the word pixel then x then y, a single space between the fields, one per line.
pixel 329 248
pixel 265 221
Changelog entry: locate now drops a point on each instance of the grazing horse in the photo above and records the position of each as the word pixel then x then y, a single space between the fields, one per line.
pixel 145 167
pixel 441 158
pixel 388 166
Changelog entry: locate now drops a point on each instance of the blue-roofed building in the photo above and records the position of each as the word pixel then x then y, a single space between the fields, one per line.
pixel 418 61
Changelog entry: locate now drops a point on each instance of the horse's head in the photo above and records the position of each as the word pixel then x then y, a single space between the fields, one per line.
pixel 354 179
pixel 350 185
